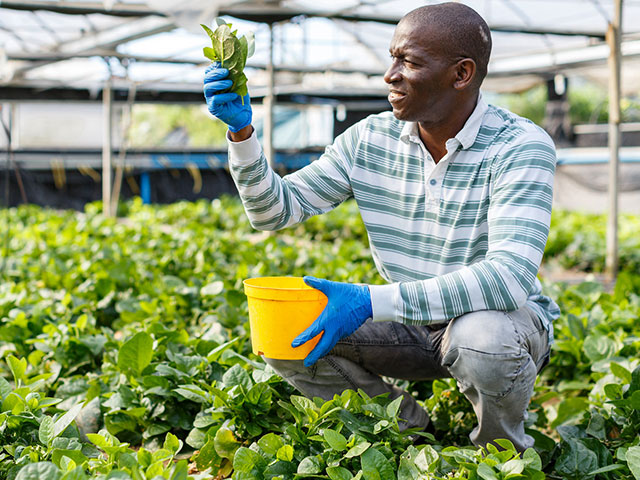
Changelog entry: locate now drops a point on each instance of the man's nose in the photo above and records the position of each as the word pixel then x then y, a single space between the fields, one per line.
pixel 392 74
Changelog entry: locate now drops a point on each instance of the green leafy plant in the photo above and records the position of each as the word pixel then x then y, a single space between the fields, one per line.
pixel 577 241
pixel 126 354
pixel 232 53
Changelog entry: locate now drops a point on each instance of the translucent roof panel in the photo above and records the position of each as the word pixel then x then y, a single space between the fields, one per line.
pixel 327 45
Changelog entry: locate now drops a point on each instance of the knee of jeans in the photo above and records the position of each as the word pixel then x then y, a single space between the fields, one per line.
pixel 488 373
pixel 486 331
pixel 286 368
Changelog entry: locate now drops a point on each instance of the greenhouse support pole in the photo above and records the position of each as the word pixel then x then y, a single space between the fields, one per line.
pixel 269 102
pixel 613 39
pixel 107 136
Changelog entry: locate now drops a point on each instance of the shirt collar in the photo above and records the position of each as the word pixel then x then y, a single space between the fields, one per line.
pixel 409 132
pixel 466 136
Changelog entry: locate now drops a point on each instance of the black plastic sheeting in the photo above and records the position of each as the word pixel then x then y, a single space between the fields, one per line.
pixel 73 190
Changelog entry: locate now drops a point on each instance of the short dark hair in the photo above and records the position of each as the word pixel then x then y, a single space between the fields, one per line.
pixel 463 31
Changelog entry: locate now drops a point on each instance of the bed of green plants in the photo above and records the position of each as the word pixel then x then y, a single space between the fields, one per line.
pixel 124 354
pixel 578 241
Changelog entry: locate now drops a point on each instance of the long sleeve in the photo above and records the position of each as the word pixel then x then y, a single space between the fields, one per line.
pixel 518 225
pixel 273 202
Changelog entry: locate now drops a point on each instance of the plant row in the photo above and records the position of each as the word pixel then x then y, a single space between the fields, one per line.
pixel 125 354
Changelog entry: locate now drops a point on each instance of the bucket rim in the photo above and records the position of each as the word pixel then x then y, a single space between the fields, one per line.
pixel 293 290
pixel 247 283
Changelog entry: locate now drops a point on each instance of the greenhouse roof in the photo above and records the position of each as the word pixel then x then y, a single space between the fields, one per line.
pixel 68 48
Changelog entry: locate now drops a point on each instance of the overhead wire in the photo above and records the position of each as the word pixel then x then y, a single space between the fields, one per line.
pixel 14 34
pixel 360 40
pixel 598 6
pixel 527 21
pixel 46 27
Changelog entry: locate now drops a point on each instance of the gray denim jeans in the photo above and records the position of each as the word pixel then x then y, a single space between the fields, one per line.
pixel 494 357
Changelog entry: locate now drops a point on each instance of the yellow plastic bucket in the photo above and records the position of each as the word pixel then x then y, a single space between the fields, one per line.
pixel 281 308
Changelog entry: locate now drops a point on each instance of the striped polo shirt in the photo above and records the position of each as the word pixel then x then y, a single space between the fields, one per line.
pixel 462 235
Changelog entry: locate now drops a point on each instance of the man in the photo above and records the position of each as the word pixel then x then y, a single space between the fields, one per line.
pixel 456 198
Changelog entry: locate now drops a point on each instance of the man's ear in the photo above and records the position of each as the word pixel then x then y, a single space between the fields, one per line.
pixel 465 72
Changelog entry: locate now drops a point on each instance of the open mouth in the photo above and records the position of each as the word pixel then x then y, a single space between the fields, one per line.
pixel 395 96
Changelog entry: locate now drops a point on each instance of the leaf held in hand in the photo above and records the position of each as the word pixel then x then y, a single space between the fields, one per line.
pixel 232 53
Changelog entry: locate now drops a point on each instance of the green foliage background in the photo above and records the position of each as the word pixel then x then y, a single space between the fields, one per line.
pixel 151 124
pixel 125 354
pixel 588 103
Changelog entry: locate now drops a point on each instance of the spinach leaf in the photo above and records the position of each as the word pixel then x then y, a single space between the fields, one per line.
pixel 232 53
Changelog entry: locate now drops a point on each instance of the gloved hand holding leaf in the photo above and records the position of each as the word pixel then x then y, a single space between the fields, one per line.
pixel 231 52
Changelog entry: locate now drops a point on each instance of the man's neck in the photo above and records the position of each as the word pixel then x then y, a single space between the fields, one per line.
pixel 435 136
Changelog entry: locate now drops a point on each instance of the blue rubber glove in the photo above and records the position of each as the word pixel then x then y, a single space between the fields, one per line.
pixel 348 307
pixel 227 107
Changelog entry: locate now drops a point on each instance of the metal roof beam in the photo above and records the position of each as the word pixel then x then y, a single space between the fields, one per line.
pixel 111 37
pixel 261 14
pixel 499 67
pixel 547 31
pixel 552 62
pixel 159 94
pixel 266 16
pixel 81 8
pixel 58 57
pixel 105 39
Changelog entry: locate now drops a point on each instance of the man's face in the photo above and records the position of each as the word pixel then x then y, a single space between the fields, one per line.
pixel 420 77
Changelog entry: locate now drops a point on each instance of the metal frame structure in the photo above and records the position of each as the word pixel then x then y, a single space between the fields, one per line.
pixel 125 21
pixel 137 20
